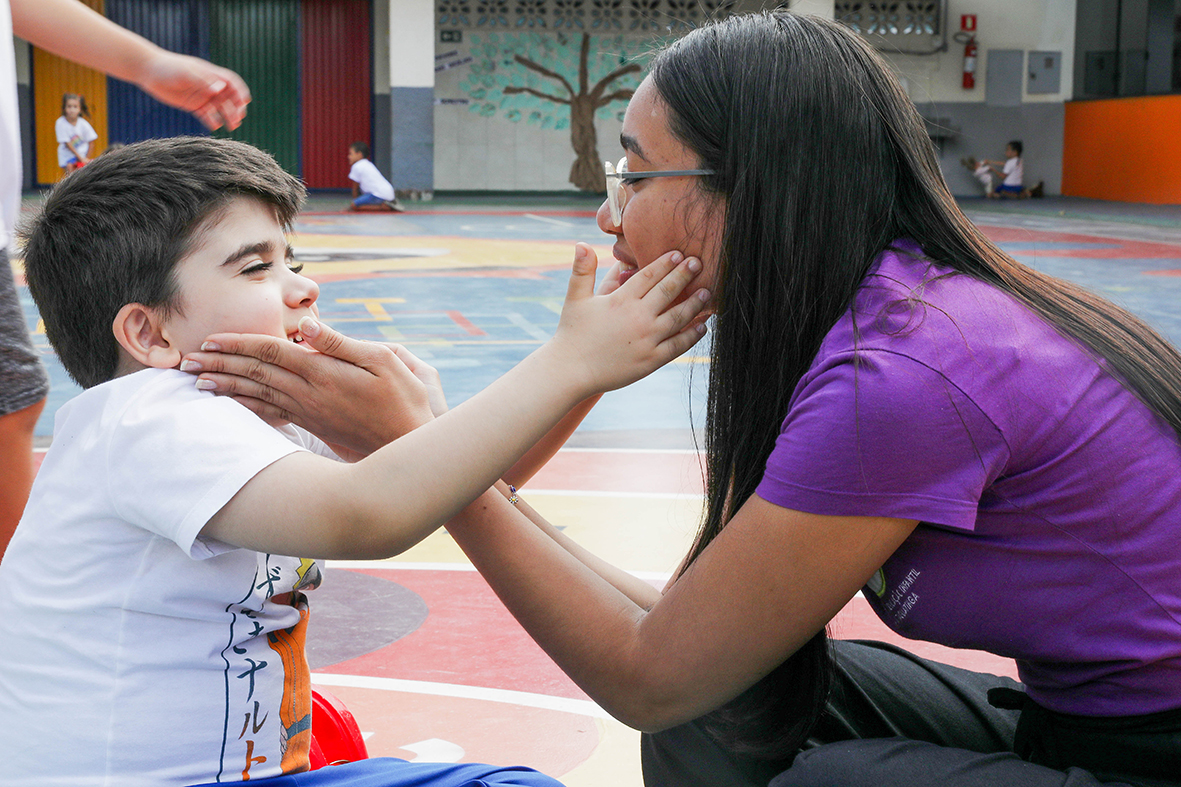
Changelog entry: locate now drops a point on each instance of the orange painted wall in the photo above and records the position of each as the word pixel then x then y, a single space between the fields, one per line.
pixel 53 76
pixel 1124 149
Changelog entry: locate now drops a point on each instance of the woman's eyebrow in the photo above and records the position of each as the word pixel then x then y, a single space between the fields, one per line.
pixel 631 145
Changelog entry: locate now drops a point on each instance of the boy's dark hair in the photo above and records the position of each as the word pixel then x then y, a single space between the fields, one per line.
pixel 1016 145
pixel 112 233
pixel 360 147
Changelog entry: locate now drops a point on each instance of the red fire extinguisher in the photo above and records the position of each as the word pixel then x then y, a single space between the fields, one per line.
pixel 970 64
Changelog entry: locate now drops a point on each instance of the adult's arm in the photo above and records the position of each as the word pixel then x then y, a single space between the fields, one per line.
pixel 381 505
pixel 768 583
pixel 215 95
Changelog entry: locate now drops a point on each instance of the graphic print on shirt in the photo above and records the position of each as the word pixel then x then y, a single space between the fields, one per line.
pixel 896 602
pixel 267 725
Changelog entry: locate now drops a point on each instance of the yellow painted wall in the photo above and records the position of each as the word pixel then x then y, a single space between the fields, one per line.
pixel 52 77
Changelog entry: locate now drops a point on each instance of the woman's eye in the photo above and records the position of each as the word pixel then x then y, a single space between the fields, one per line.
pixel 295 267
pixel 256 268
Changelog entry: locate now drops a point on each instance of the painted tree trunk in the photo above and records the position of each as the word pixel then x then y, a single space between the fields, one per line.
pixel 587 171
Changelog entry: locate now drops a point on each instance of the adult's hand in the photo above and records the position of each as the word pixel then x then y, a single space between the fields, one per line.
pixel 356 396
pixel 216 96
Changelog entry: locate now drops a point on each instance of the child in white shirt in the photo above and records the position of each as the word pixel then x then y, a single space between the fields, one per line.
pixel 74 133
pixel 370 188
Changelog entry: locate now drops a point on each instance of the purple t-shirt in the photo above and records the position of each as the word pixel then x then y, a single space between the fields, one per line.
pixel 1049 497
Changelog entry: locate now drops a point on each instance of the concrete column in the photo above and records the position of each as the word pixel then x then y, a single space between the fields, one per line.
pixel 412 94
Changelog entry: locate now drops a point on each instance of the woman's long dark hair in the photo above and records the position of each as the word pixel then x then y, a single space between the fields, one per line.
pixel 823 161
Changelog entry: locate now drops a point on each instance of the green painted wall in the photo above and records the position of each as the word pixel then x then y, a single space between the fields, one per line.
pixel 260 40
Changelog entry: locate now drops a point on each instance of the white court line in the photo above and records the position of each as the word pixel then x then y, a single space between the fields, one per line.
pixel 547 220
pixel 521 698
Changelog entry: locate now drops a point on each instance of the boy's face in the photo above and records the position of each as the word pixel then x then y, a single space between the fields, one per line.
pixel 240 279
pixel 354 156
pixel 1010 152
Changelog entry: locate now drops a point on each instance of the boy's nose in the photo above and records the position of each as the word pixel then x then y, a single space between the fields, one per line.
pixel 303 292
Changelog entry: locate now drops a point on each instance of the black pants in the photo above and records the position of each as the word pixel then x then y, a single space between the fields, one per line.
pixel 896 720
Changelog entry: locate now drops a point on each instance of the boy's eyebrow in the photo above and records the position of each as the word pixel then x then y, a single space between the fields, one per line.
pixel 262 248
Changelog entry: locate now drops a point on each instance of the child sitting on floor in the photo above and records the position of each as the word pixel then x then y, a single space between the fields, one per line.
pixel 152 624
pixel 371 191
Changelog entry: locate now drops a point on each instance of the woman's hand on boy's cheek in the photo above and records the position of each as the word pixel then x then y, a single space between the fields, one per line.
pixel 354 395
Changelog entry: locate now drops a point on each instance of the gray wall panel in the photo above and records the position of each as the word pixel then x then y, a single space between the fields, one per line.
pixel 981 131
pixel 412 143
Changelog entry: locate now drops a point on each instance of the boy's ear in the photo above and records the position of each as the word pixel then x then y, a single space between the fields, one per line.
pixel 140 332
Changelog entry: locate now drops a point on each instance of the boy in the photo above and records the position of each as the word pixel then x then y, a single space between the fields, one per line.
pixel 151 629
pixel 370 188
pixel 1012 172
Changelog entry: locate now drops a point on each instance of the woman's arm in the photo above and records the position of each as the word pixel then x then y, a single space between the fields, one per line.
pixel 216 96
pixel 640 592
pixel 771 580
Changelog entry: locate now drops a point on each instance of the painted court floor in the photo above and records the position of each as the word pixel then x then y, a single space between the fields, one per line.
pixel 418 647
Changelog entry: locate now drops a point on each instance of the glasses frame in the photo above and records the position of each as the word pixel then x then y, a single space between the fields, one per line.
pixel 618 176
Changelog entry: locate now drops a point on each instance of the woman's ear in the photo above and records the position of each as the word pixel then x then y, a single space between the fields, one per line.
pixel 140 332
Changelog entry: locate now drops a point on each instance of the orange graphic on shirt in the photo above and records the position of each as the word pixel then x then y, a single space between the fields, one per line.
pixel 295 709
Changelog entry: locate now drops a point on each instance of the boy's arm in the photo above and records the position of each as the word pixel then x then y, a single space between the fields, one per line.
pixel 520 473
pixel 390 500
pixel 216 96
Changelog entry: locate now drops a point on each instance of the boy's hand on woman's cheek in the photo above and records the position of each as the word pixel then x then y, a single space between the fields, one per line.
pixel 356 396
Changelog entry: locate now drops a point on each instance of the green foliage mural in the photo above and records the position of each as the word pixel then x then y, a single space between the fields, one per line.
pixel 557 81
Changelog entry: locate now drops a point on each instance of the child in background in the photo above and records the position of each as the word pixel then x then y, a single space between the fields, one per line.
pixel 1011 171
pixel 370 188
pixel 150 619
pixel 74 133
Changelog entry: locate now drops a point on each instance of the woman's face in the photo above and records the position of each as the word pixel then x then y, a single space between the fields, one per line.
pixel 663 214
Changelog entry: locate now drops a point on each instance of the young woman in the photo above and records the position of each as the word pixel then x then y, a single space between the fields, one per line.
pixel 894 405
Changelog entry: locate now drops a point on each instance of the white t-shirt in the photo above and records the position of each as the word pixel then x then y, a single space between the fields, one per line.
pixel 80 134
pixel 132 651
pixel 370 179
pixel 1014 171
pixel 10 140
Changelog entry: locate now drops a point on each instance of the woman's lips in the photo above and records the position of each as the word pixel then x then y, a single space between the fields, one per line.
pixel 627 268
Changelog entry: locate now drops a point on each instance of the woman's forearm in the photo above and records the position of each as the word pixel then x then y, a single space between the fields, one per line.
pixel 587 625
pixel 636 589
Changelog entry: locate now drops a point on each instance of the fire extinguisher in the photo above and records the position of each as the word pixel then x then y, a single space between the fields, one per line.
pixel 970 64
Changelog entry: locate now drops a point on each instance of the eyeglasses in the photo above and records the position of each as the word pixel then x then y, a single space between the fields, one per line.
pixel 618 177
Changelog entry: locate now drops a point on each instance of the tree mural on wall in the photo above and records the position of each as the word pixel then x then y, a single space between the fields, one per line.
pixel 544 80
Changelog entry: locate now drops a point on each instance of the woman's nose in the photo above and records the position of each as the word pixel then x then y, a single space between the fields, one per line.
pixel 604 220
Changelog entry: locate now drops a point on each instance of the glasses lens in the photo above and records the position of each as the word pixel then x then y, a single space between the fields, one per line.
pixel 616 193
